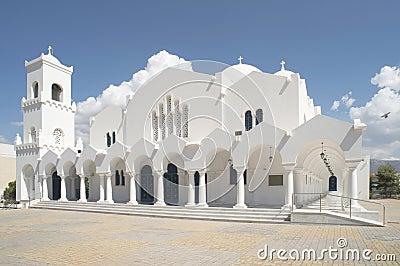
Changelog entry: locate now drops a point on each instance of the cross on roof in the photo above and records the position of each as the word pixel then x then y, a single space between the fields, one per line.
pixel 50 49
pixel 240 59
pixel 283 65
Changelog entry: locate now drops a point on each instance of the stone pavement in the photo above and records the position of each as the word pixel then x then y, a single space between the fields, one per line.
pixel 43 237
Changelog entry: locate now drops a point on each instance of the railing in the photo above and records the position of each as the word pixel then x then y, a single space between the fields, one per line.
pixel 351 206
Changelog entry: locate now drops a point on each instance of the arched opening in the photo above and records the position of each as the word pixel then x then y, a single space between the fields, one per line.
pixel 171 184
pixel 56 185
pixel 35 89
pixel 333 183
pixel 32 135
pixel 120 190
pixel 29 178
pixel 146 185
pixel 56 92
pixel 248 120
pixel 108 139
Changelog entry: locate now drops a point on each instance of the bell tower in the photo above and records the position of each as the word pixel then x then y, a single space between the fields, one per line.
pixel 48 111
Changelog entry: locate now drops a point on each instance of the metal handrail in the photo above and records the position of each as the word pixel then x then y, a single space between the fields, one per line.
pixel 321 195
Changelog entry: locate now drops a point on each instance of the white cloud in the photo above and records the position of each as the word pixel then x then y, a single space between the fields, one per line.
pixel 17 123
pixel 335 105
pixel 382 138
pixel 3 139
pixel 388 77
pixel 116 95
pixel 346 101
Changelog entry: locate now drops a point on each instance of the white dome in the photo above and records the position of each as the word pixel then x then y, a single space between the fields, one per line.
pixel 245 69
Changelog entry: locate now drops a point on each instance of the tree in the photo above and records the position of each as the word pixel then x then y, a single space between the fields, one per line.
pixel 388 182
pixel 10 191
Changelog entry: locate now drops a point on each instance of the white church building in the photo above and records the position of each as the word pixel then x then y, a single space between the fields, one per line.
pixel 236 138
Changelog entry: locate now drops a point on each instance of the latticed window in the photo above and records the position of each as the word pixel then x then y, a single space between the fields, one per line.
pixel 155 126
pixel 162 121
pixel 178 120
pixel 259 116
pixel 185 121
pixel 248 120
pixel 58 136
pixel 170 118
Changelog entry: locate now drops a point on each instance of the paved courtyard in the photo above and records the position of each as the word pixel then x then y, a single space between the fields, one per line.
pixel 42 237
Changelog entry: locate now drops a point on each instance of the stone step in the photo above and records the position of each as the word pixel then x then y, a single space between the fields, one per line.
pixel 173 212
pixel 247 211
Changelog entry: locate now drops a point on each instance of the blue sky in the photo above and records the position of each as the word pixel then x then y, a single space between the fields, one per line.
pixel 336 46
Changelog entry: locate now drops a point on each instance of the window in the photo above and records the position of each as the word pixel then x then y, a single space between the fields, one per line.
pixel 58 136
pixel 178 121
pixel 155 126
pixel 245 176
pixel 185 121
pixel 35 88
pixel 122 178
pixel 248 120
pixel 114 138
pixel 275 180
pixel 162 121
pixel 56 92
pixel 108 139
pixel 259 116
pixel 117 178
pixel 232 176
pixel 33 134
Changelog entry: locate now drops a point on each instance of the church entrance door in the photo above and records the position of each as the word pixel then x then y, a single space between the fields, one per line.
pixel 56 180
pixel 171 185
pixel 146 185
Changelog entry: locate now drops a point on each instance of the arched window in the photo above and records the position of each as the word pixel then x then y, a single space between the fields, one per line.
pixel 122 178
pixel 162 120
pixel 178 121
pixel 155 126
pixel 232 175
pixel 33 134
pixel 245 176
pixel 58 136
pixel 114 138
pixel 56 92
pixel 108 139
pixel 248 120
pixel 117 178
pixel 185 121
pixel 259 116
pixel 35 89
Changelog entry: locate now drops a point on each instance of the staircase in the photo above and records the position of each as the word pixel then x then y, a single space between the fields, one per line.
pixel 328 203
pixel 249 215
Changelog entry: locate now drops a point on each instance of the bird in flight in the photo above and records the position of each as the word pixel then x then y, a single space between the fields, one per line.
pixel 385 115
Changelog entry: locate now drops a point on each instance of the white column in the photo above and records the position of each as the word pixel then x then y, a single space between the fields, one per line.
pixel 298 185
pixel 160 189
pixel 45 190
pixel 82 189
pixel 289 186
pixel 191 190
pixel 344 187
pixel 240 202
pixel 63 189
pixel 354 185
pixel 109 196
pixel 202 190
pixel 132 190
pixel 101 200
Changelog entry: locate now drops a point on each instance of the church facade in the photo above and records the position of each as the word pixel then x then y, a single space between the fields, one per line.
pixel 236 138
